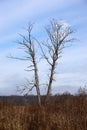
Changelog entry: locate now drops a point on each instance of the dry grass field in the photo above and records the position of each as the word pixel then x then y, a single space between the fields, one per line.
pixel 65 113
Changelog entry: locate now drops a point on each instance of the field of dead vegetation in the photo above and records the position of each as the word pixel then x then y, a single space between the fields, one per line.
pixel 65 113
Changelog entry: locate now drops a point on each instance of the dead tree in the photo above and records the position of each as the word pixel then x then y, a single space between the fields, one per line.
pixel 28 45
pixel 59 33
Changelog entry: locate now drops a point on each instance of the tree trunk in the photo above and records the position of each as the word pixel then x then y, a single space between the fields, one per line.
pixel 50 81
pixel 37 83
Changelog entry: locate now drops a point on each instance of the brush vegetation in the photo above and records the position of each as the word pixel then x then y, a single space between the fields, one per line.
pixel 63 112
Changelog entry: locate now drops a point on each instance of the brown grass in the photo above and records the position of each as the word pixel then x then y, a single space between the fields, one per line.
pixel 67 113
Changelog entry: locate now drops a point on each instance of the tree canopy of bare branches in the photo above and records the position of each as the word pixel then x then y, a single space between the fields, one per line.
pixel 59 34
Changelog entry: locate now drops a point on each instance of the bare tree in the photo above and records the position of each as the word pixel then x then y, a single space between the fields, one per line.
pixel 27 44
pixel 59 33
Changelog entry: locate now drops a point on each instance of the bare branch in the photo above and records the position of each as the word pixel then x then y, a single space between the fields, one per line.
pixel 18 58
pixel 29 70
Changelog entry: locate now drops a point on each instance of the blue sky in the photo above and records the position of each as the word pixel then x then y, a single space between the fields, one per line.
pixel 14 18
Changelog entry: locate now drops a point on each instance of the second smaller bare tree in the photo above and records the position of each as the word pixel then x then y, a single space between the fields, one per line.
pixel 59 33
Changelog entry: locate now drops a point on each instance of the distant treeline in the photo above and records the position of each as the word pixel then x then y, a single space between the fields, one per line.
pixel 32 99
